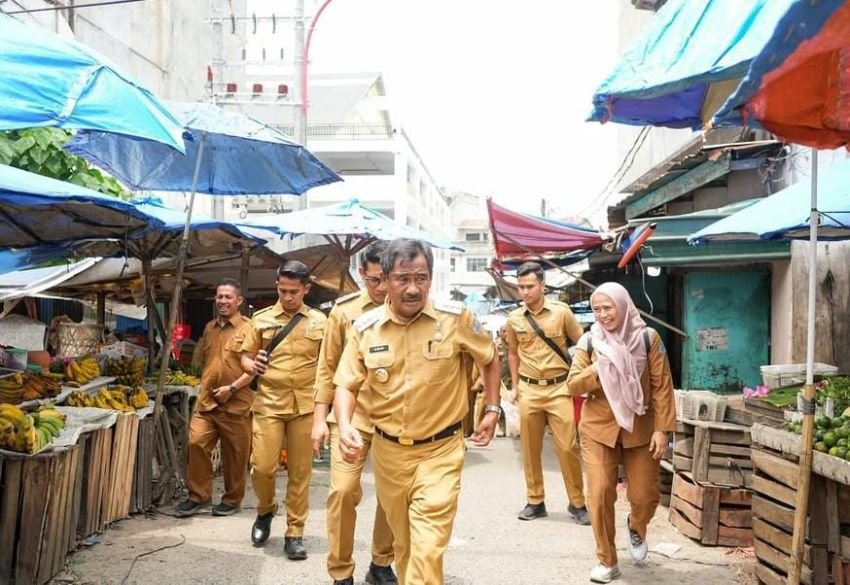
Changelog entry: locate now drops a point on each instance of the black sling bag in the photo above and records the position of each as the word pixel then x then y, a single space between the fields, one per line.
pixel 275 341
pixel 554 346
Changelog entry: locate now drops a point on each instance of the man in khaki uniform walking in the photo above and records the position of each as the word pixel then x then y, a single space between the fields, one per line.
pixel 409 353
pixel 283 407
pixel 223 410
pixel 539 376
pixel 344 492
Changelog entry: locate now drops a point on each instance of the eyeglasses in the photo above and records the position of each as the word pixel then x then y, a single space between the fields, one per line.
pixel 406 278
pixel 372 280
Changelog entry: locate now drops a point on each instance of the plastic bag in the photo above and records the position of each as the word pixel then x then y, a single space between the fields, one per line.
pixel 511 412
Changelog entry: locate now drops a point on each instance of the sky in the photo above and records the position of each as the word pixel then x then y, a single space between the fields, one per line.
pixel 492 93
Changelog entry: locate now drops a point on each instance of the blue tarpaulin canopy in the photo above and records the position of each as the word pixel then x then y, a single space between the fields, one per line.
pixel 786 214
pixel 50 81
pixel 686 62
pixel 241 156
pixel 37 210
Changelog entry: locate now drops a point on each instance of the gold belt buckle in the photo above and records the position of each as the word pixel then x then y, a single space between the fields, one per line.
pixel 543 382
pixel 406 441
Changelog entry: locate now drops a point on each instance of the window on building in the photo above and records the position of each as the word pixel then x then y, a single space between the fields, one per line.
pixel 476 264
pixel 453 264
pixel 473 236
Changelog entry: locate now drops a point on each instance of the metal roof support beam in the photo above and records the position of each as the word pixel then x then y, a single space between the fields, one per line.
pixel 693 179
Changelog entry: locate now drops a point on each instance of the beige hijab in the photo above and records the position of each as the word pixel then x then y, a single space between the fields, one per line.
pixel 621 356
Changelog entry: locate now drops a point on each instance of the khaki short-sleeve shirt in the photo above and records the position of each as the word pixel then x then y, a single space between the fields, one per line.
pixel 218 354
pixel 340 321
pixel 287 387
pixel 415 370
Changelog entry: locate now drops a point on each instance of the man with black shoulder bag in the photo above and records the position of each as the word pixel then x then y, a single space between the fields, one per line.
pixel 538 333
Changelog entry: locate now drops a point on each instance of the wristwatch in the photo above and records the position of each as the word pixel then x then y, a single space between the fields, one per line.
pixel 493 408
pixel 233 389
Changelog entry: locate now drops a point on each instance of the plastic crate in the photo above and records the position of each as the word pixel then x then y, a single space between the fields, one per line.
pixel 780 375
pixel 700 405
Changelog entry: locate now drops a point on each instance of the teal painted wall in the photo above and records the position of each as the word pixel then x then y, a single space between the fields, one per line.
pixel 727 318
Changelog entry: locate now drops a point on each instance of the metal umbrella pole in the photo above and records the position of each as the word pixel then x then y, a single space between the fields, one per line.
pixel 175 299
pixel 801 507
pixel 586 283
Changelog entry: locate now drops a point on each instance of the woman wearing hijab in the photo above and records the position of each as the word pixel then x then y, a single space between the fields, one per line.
pixel 621 366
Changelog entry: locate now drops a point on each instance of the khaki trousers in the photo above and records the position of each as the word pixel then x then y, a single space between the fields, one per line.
pixel 270 432
pixel 344 494
pixel 234 432
pixel 556 411
pixel 602 463
pixel 418 487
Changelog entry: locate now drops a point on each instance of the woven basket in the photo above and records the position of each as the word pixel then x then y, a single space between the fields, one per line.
pixel 78 339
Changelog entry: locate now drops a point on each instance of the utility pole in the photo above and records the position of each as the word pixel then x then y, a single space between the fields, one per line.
pixel 300 122
pixel 218 10
pixel 542 207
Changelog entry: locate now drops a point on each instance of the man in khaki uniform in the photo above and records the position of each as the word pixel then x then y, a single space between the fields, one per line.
pixel 539 376
pixel 283 407
pixel 345 493
pixel 223 410
pixel 409 353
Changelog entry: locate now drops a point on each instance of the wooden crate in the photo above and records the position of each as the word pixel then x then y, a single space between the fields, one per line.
pixel 141 497
pixel 775 461
pixel 714 452
pixel 97 455
pixel 665 481
pixel 711 514
pixel 38 514
pixel 122 468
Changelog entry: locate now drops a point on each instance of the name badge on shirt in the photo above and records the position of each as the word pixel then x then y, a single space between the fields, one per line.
pixel 378 348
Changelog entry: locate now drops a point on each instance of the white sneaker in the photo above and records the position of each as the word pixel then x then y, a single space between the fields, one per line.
pixel 602 574
pixel 637 545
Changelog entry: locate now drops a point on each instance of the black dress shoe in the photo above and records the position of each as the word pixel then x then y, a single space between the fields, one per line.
pixel 294 547
pixel 532 511
pixel 347 581
pixel 378 575
pixel 262 528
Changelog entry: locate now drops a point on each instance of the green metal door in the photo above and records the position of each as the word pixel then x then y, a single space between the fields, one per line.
pixel 727 318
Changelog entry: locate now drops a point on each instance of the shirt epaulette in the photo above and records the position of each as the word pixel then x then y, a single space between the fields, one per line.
pixel 453 307
pixel 348 297
pixel 369 318
pixel 263 310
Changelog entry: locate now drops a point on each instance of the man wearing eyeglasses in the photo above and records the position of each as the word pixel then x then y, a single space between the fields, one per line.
pixel 410 354
pixel 345 492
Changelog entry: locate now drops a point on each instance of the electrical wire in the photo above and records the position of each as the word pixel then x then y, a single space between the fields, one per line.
pixel 74 7
pixel 150 552
pixel 643 285
pixel 625 166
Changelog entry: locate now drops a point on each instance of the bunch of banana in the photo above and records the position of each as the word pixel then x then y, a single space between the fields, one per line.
pixel 80 372
pixel 115 400
pixel 10 418
pixel 80 398
pixel 49 422
pixel 127 371
pixel 12 389
pixel 138 398
pixel 27 435
pixel 180 378
pixel 40 385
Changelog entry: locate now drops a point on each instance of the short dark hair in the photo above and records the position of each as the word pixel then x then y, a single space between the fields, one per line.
pixel 295 270
pixel 227 281
pixel 534 268
pixel 372 254
pixel 406 249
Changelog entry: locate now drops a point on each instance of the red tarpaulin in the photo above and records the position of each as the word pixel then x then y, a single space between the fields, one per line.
pixel 515 234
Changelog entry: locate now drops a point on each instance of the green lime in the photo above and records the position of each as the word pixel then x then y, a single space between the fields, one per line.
pixel 789 427
pixel 834 451
pixel 841 453
pixel 842 442
pixel 842 432
pixel 823 422
pixel 819 434
pixel 829 439
pixel 820 446
pixel 836 422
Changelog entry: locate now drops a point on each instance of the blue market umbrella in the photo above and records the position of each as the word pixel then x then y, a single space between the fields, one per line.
pixel 349 226
pixel 51 81
pixel 37 210
pixel 227 154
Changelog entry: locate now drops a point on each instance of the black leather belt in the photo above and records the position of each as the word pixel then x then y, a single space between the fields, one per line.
pixel 544 382
pixel 407 441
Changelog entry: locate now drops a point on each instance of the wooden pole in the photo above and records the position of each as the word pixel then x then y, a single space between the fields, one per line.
pixel 150 307
pixel 801 507
pixel 101 308
pixel 243 276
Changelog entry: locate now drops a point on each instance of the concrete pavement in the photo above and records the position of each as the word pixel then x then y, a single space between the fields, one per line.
pixel 489 545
